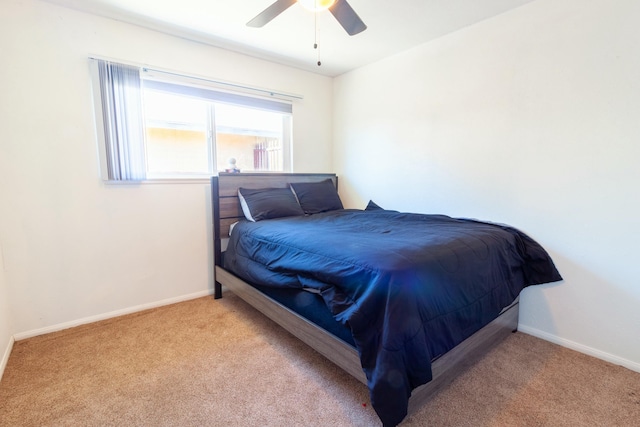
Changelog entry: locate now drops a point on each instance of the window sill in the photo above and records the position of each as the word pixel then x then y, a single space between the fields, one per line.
pixel 161 181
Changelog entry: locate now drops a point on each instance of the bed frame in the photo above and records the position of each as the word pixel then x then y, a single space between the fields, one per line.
pixel 227 210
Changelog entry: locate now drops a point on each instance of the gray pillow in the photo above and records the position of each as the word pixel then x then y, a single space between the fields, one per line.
pixel 316 197
pixel 265 203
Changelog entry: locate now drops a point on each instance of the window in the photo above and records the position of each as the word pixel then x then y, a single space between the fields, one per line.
pixel 159 128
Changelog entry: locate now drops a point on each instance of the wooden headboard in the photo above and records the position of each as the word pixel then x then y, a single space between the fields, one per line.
pixel 226 205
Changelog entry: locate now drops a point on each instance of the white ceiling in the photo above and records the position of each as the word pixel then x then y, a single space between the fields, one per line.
pixel 393 26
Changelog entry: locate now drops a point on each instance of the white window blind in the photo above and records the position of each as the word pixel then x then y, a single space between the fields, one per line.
pixel 121 110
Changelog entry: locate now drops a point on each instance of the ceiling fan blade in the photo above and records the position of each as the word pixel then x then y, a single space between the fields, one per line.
pixel 271 12
pixel 347 17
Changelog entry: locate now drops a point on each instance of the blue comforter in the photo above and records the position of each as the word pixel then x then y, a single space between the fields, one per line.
pixel 409 286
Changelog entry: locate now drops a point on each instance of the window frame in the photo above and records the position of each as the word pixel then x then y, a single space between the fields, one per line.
pixel 250 97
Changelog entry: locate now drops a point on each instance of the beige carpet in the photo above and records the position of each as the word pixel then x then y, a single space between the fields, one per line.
pixel 220 363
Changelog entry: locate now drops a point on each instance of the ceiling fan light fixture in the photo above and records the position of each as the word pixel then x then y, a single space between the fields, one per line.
pixel 340 9
pixel 316 5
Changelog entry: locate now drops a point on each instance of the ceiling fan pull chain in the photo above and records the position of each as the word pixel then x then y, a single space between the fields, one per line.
pixel 315 43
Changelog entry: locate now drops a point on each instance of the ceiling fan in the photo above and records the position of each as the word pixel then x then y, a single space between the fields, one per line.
pixel 340 9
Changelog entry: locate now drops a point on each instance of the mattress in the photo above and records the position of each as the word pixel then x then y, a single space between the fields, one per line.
pixel 312 307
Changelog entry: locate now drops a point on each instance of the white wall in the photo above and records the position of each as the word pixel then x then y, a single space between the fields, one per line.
pixel 75 248
pixel 6 319
pixel 530 118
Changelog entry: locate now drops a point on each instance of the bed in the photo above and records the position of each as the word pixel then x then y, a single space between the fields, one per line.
pixel 350 283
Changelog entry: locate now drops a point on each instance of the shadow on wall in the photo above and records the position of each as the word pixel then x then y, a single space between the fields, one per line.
pixel 209 231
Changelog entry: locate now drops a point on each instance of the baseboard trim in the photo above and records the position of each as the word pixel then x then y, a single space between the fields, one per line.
pixel 109 315
pixel 5 357
pixel 634 366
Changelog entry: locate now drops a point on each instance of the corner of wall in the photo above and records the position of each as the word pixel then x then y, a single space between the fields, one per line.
pixel 5 357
